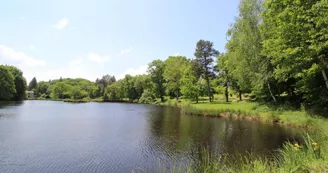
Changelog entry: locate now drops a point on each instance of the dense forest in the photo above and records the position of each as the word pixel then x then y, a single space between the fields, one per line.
pixel 276 50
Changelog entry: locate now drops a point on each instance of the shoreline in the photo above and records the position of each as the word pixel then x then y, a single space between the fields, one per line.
pixel 274 117
pixel 264 117
pixel 245 117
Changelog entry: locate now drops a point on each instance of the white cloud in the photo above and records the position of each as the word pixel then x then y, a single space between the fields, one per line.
pixel 98 58
pixel 176 54
pixel 10 56
pixel 31 46
pixel 125 51
pixel 134 71
pixel 61 24
pixel 29 65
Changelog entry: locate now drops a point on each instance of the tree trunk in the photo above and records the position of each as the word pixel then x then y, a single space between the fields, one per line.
pixel 208 83
pixel 325 63
pixel 325 77
pixel 273 97
pixel 227 92
pixel 177 94
pixel 162 98
pixel 208 88
pixel 240 96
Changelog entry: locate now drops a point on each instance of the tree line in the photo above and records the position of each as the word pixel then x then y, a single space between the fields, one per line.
pixel 175 77
pixel 276 50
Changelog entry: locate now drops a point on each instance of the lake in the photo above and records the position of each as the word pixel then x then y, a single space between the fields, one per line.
pixel 52 136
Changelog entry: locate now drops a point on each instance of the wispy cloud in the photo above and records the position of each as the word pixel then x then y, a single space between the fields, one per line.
pixel 10 56
pixel 61 24
pixel 98 58
pixel 125 51
pixel 134 71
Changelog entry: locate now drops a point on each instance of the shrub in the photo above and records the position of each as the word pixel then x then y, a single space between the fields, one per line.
pixel 147 97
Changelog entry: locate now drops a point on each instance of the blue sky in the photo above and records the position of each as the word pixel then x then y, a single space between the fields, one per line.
pixel 49 39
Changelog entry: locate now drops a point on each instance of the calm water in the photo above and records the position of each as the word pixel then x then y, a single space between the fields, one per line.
pixel 49 136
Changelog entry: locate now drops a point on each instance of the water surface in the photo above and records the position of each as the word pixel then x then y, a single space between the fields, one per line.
pixel 50 136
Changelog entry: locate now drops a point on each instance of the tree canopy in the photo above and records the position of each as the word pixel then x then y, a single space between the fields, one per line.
pixel 175 66
pixel 204 54
pixel 12 83
pixel 33 84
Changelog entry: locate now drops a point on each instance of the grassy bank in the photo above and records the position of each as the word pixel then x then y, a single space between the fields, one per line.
pixel 250 111
pixel 310 156
pixel 292 158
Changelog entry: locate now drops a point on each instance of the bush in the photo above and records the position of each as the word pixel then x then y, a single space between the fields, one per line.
pixel 147 97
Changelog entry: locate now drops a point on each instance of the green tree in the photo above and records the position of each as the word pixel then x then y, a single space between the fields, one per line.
pixel 142 83
pixel 147 97
pixel 115 91
pixel 105 81
pixel 129 89
pixel 60 90
pixel 7 84
pixel 204 54
pixel 248 66
pixel 20 83
pixel 190 86
pixel 33 84
pixel 156 69
pixel 296 37
pixel 174 68
pixel 78 93
pixel 94 91
pixel 224 74
pixel 43 89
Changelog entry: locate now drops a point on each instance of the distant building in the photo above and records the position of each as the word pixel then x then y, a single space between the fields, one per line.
pixel 30 94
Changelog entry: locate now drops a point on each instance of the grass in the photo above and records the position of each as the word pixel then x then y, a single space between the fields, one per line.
pixel 248 110
pixel 310 156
